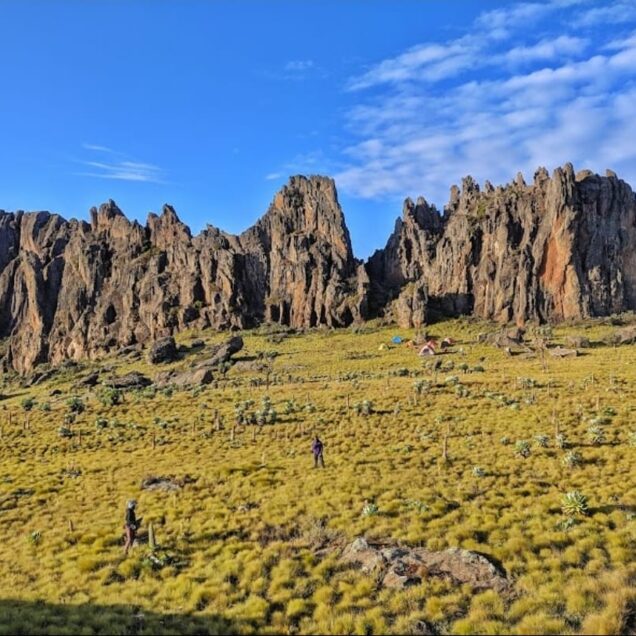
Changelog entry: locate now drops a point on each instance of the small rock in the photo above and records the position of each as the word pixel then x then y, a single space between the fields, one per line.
pixel 421 628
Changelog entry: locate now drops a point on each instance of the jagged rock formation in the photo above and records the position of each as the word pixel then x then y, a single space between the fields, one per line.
pixel 560 248
pixel 399 273
pixel 70 289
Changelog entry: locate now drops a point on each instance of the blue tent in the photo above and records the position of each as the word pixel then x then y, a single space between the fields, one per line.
pixel 396 340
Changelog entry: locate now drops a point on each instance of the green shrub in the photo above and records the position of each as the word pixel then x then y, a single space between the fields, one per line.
pixel 572 459
pixel 110 396
pixel 522 448
pixel 28 403
pixel 574 503
pixel 370 509
pixel 596 435
pixel 75 405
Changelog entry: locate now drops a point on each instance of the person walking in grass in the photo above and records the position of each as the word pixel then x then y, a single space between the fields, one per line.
pixel 130 525
pixel 317 448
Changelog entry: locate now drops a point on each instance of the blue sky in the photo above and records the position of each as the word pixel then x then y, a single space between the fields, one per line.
pixel 210 106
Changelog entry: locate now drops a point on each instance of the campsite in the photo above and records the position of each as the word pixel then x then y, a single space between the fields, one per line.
pixel 515 464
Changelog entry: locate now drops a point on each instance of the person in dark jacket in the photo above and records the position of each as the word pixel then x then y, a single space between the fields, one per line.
pixel 317 448
pixel 130 525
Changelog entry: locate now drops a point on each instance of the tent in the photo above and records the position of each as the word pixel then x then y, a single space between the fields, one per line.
pixel 396 340
pixel 427 350
pixel 447 342
pixel 382 347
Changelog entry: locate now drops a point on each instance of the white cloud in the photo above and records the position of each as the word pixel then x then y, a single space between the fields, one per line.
pixel 432 61
pixel 563 94
pixel 427 61
pixel 610 13
pixel 547 49
pixel 521 14
pixel 122 169
pixel 273 176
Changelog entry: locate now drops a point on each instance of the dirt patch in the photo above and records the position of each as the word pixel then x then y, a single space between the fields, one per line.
pixel 167 484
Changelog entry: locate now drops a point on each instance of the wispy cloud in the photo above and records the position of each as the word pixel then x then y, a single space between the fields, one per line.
pixel 299 66
pixel 297 70
pixel 119 167
pixel 97 148
pixel 542 96
pixel 273 176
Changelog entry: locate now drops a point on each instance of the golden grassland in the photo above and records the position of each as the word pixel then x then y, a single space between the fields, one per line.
pixel 243 537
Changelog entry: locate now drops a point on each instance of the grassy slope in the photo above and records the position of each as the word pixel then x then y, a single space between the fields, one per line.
pixel 256 569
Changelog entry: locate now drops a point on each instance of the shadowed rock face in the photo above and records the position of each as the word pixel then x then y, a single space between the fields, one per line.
pixel 559 248
pixel 71 289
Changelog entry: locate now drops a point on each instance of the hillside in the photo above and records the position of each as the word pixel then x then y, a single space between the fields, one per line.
pixel 473 449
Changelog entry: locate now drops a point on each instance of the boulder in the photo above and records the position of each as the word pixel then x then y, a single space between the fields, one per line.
pixel 577 342
pixel 164 350
pixel 627 335
pixel 562 352
pixel 400 567
pixel 193 377
pixel 39 378
pixel 90 380
pixel 129 351
pixel 222 352
pixel 133 380
pixel 363 556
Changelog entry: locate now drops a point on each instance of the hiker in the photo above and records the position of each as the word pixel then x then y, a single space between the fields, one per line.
pixel 317 448
pixel 130 525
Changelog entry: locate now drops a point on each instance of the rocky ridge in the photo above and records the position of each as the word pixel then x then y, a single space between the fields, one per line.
pixel 558 248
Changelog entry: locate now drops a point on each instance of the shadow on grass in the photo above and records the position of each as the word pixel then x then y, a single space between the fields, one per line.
pixel 609 508
pixel 8 396
pixel 37 617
